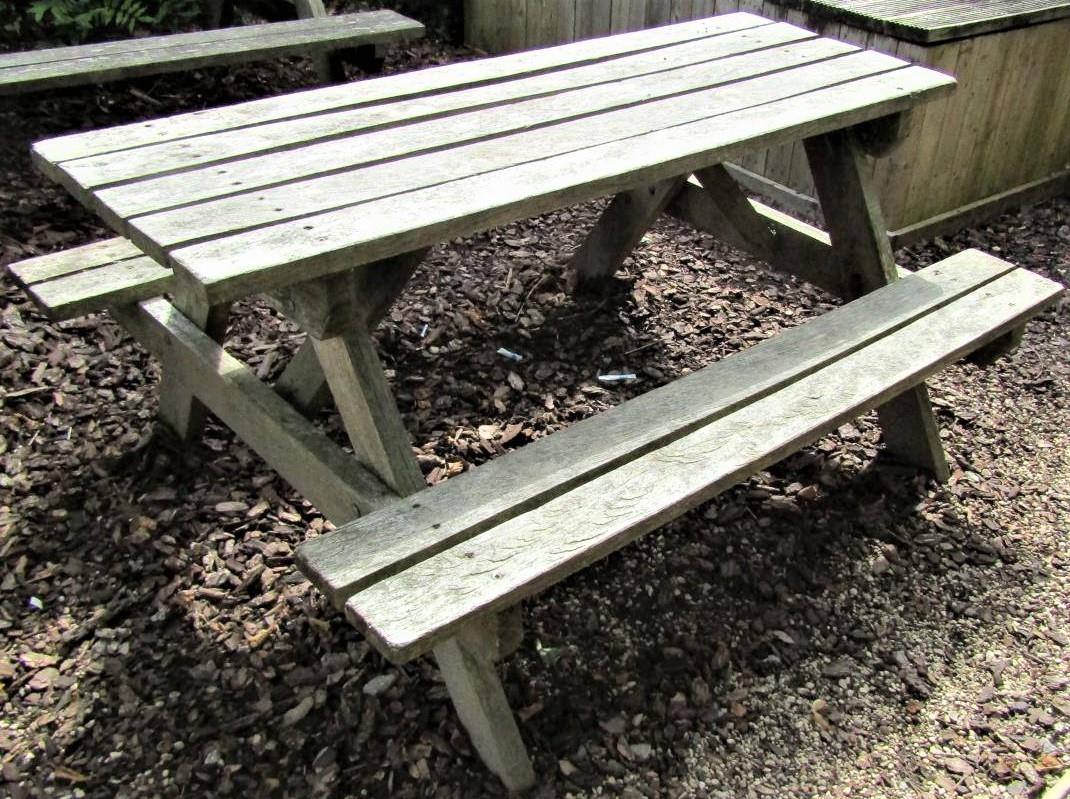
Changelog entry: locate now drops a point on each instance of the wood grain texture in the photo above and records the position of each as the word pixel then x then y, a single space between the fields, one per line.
pixel 289 188
pixel 928 22
pixel 405 614
pixel 358 555
pixel 302 383
pixel 317 467
pixel 862 253
pixel 362 396
pixel 442 119
pixel 852 213
pixel 74 66
pixel 390 88
pixel 794 247
pixel 275 255
pixel 178 408
pixel 358 298
pixel 618 230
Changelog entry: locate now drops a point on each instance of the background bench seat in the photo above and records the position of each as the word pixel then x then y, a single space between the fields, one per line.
pixel 58 67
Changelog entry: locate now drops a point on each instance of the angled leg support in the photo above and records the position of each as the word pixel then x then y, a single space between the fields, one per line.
pixel 467 665
pixel 328 67
pixel 862 252
pixel 617 232
pixel 339 313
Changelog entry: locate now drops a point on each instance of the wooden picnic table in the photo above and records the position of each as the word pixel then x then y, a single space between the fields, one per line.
pixel 326 200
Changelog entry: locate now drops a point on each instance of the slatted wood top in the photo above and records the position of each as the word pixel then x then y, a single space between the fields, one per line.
pixel 264 194
pixel 57 67
pixel 932 21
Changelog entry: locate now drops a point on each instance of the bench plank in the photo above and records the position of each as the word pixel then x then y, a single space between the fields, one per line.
pixel 90 278
pixel 358 555
pixel 74 66
pixel 406 614
pixel 270 257
pixel 389 88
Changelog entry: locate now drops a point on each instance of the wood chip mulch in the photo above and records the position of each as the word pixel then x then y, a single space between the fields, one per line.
pixel 837 625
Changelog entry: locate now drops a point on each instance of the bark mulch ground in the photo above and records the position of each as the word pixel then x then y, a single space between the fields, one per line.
pixel 836 626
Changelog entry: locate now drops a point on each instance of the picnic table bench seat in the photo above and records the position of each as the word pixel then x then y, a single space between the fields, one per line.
pixel 90 278
pixel 60 67
pixel 430 572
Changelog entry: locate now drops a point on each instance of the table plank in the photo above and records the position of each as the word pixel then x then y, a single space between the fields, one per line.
pixel 73 66
pixel 389 88
pixel 442 154
pixel 542 98
pixel 320 244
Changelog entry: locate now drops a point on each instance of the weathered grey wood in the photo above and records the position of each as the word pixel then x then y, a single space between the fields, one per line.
pixel 179 409
pixel 371 419
pixel 360 554
pixel 929 22
pixel 737 210
pixel 798 248
pixel 90 278
pixel 625 221
pixel 359 297
pixel 479 698
pixel 74 66
pixel 317 467
pixel 437 121
pixel 326 308
pixel 407 613
pixel 327 69
pixel 391 88
pixel 302 383
pixel 332 241
pixel 793 201
pixel 911 433
pixel 851 210
pixel 863 255
pixel 278 201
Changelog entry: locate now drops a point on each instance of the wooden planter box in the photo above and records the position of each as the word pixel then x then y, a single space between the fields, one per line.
pixel 1001 139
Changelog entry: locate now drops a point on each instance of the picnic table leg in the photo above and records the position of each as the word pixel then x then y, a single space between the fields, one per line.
pixel 303 383
pixel 328 67
pixel 620 228
pixel 179 409
pixel 367 407
pixel 863 253
pixel 339 312
pixel 467 665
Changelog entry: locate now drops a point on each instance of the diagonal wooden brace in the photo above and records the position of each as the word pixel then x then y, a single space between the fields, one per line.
pixel 327 307
pixel 620 228
pixel 467 664
pixel 339 312
pixel 863 254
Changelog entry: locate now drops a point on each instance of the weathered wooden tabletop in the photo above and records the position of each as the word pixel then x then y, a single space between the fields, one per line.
pixel 273 192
